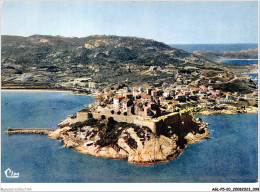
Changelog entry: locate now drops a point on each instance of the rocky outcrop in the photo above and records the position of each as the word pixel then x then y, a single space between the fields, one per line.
pixel 249 109
pixel 139 144
pixel 150 149
pixel 106 152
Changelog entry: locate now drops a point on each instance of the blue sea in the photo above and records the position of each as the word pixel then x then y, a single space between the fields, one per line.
pixel 241 61
pixel 230 156
pixel 253 76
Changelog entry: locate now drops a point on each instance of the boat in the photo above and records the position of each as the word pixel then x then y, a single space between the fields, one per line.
pixel 86 106
pixel 89 143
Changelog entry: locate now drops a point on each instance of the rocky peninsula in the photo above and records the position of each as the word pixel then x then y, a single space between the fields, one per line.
pixel 118 140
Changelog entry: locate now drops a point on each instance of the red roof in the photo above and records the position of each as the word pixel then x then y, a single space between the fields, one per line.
pixel 180 95
pixel 146 96
pixel 110 93
pixel 125 100
pixel 119 96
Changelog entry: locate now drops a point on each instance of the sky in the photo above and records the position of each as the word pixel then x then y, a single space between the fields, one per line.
pixel 169 22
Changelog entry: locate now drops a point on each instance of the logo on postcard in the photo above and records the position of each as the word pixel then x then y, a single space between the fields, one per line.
pixel 11 174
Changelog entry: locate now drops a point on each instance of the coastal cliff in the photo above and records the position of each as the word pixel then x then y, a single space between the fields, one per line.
pixel 118 140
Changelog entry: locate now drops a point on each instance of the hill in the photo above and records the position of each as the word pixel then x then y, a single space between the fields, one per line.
pixel 42 61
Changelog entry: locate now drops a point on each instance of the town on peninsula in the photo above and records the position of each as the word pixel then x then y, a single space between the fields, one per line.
pixel 146 93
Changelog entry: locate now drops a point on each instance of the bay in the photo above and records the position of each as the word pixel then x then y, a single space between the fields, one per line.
pixel 230 156
pixel 253 76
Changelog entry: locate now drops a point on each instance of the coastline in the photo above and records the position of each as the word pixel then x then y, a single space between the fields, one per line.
pixel 166 148
pixel 149 148
pixel 221 60
pixel 252 71
pixel 34 90
pixel 194 152
pixel 205 112
pixel 45 90
pixel 226 111
pixel 108 151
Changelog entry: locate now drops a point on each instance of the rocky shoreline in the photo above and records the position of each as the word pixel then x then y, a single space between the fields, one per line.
pixel 138 144
pixel 226 111
pixel 164 149
pixel 108 138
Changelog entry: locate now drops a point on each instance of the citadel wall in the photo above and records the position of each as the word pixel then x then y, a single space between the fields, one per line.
pixel 171 119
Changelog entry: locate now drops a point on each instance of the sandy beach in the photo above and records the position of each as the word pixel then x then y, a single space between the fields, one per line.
pixel 47 90
pixel 36 90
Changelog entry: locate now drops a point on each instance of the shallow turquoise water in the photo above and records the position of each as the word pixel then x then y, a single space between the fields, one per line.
pixel 230 156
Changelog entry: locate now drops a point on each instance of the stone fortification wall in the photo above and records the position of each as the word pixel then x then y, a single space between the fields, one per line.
pixel 147 123
pixel 169 119
pixel 175 119
pixel 172 119
pixel 119 118
pixel 81 117
pixel 186 118
pixel 128 119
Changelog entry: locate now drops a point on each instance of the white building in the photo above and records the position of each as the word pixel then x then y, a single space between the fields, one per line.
pixel 116 101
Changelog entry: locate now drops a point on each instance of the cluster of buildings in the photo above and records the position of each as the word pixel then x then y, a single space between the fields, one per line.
pixel 155 102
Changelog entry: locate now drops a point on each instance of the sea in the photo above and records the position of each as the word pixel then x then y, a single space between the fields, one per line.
pixel 231 155
pixel 241 61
